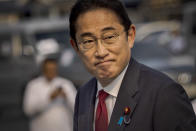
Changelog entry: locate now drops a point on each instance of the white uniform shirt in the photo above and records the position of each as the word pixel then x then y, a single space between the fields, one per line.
pixel 112 89
pixel 49 115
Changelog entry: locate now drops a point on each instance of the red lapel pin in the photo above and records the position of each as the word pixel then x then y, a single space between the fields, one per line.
pixel 127 110
pixel 126 117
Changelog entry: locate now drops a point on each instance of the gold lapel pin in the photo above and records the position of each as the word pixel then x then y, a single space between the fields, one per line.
pixel 127 110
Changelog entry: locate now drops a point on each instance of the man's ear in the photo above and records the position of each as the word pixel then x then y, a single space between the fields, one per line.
pixel 131 35
pixel 74 44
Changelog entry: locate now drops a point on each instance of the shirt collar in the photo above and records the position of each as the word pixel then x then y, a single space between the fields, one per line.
pixel 45 79
pixel 113 88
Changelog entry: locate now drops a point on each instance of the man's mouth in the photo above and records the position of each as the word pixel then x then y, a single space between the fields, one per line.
pixel 103 62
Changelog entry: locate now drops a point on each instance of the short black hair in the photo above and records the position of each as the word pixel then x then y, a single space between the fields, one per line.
pixel 82 6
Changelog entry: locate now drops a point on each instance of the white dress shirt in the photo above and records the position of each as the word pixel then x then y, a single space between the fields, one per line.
pixel 47 114
pixel 112 89
pixel 194 105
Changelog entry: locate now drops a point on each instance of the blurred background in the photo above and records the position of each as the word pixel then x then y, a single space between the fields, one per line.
pixel 31 30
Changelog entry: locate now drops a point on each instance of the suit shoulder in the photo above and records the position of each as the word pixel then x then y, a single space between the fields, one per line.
pixel 155 82
pixel 86 95
pixel 88 86
pixel 150 74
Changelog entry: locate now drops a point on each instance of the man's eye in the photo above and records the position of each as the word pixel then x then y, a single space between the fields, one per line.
pixel 87 41
pixel 109 37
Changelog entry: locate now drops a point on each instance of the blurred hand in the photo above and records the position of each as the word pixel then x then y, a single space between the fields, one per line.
pixel 56 93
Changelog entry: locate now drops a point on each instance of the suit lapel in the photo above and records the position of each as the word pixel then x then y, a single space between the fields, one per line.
pixel 86 114
pixel 92 105
pixel 128 89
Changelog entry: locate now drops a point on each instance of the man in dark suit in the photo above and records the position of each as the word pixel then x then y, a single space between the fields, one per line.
pixel 124 95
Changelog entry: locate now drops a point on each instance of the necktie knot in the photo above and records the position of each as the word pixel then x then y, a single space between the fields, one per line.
pixel 102 95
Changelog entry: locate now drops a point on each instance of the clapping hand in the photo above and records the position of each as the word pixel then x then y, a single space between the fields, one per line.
pixel 57 92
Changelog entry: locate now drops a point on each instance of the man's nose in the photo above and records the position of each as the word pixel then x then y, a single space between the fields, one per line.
pixel 101 51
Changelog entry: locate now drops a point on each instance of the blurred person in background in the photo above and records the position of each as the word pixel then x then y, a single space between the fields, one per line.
pixel 124 94
pixel 49 100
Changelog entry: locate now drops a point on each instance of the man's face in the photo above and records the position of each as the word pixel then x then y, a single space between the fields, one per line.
pixel 104 61
pixel 50 70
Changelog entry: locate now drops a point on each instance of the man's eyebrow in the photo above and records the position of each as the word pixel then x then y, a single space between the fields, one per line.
pixel 90 34
pixel 86 34
pixel 108 29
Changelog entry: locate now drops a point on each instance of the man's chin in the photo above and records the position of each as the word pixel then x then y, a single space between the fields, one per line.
pixel 105 75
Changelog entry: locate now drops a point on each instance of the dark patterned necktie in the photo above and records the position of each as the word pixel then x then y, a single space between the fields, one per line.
pixel 101 119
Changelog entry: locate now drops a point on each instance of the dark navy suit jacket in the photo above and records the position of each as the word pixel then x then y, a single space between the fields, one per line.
pixel 156 102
